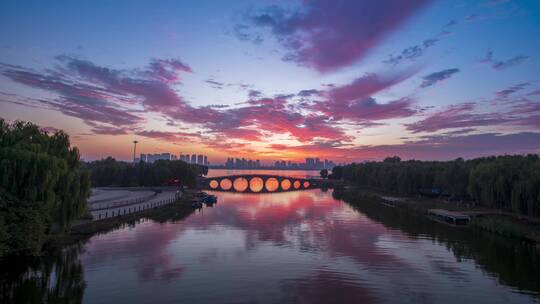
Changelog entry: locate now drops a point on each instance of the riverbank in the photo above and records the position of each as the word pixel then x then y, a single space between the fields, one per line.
pixel 490 220
pixel 83 231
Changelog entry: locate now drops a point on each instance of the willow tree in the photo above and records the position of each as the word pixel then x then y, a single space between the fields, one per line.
pixel 41 184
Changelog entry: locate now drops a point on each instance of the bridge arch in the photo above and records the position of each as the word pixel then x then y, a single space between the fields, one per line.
pixel 285 184
pixel 256 184
pixel 240 184
pixel 225 184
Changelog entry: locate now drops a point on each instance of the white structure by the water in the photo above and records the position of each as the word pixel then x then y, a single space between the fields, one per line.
pixel 111 202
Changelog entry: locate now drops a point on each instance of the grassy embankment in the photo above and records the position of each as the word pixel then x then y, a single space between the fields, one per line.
pixel 503 224
pixel 85 230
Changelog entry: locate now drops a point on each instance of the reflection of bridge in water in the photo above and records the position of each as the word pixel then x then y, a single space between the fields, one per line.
pixel 258 183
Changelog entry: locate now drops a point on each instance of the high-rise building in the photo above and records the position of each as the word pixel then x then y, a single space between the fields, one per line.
pixel 205 160
pixel 200 159
pixel 182 157
pixel 310 163
pixel 193 158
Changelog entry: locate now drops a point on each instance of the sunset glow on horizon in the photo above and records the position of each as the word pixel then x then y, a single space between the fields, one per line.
pixel 341 80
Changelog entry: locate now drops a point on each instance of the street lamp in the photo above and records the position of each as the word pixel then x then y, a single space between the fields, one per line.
pixel 134 149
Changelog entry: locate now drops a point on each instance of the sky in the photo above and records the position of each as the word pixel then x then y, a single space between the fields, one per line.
pixel 344 80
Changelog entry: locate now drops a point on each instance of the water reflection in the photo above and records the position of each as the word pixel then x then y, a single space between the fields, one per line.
pixel 302 246
pixel 57 278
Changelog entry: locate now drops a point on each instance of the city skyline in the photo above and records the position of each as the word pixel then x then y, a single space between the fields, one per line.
pixel 238 163
pixel 311 163
pixel 343 80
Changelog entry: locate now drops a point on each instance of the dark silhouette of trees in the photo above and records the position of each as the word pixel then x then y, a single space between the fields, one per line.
pixel 42 186
pixel 509 183
pixel 337 173
pixel 110 172
pixel 324 173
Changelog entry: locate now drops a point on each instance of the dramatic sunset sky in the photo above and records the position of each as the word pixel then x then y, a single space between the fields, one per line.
pixel 345 80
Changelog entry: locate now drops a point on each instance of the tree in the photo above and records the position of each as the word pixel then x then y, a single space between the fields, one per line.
pixel 324 173
pixel 337 173
pixel 42 186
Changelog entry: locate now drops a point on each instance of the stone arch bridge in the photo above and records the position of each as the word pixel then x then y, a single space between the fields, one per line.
pixel 258 183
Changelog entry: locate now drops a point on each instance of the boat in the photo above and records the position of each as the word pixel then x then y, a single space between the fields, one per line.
pixel 209 200
pixel 196 203
pixel 201 194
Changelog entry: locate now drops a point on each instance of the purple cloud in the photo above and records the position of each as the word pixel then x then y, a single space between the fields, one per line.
pixel 243 33
pixel 433 78
pixel 511 90
pixel 328 35
pixel 104 98
pixel 534 93
pixel 354 101
pixel 503 64
pixel 88 102
pixel 455 116
pixel 309 93
pixel 440 147
pixel 521 113
pixel 412 53
pixel 215 84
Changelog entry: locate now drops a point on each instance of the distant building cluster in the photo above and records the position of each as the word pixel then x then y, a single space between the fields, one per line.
pixel 310 164
pixel 195 159
pixel 192 159
pixel 242 163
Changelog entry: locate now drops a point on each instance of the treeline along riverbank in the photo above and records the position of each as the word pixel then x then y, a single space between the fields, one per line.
pixel 507 183
pixel 506 189
pixel 109 172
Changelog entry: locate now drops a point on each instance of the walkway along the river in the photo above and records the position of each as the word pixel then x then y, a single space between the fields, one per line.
pixel 131 201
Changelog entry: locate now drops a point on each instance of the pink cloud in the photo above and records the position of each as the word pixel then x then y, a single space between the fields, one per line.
pixel 354 102
pixel 328 35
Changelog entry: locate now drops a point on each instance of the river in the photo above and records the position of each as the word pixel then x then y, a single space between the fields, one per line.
pixel 291 247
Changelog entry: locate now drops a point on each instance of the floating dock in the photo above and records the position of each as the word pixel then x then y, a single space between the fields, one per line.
pixel 391 201
pixel 450 217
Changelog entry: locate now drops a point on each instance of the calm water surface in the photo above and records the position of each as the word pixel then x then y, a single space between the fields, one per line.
pixel 303 246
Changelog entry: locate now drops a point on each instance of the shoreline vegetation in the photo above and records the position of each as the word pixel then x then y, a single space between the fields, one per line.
pixel 506 189
pixel 489 220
